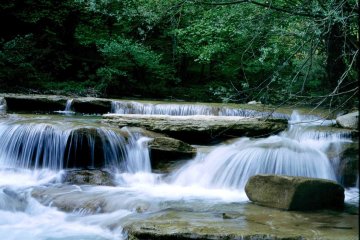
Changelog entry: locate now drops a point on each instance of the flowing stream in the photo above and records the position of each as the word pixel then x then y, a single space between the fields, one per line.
pixel 36 150
pixel 186 109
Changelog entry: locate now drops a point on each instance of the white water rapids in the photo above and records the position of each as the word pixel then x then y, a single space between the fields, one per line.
pixel 33 155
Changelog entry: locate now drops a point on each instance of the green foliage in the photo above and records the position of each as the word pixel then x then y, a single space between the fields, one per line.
pixel 183 49
pixel 17 62
pixel 131 62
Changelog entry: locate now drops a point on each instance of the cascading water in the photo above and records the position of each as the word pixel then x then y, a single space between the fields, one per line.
pixel 299 151
pixel 210 184
pixel 68 108
pixel 231 166
pixel 132 107
pixel 2 105
pixel 27 145
pixel 61 145
pixel 138 159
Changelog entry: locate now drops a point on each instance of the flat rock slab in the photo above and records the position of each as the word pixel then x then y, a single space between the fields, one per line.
pixel 50 103
pixel 199 129
pixel 28 103
pixel 249 223
pixel 294 193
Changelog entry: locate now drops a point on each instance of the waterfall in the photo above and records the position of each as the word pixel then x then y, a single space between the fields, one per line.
pixel 125 107
pixel 299 151
pixel 27 145
pixel 206 191
pixel 68 105
pixel 138 159
pixel 68 108
pixel 132 107
pixel 32 145
pixel 3 105
pixel 231 166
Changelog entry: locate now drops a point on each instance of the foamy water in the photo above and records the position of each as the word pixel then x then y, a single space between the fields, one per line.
pixel 214 179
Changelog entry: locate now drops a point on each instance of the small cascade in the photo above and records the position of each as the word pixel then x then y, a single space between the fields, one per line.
pixel 311 130
pixel 68 107
pixel 138 158
pixel 316 132
pixel 123 107
pixel 3 105
pixel 132 107
pixel 224 111
pixel 32 145
pixel 299 151
pixel 231 166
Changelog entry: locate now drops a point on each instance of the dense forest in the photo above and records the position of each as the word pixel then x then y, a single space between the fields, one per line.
pixel 276 52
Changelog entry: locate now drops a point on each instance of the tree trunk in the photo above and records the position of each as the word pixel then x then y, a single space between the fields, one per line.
pixel 335 64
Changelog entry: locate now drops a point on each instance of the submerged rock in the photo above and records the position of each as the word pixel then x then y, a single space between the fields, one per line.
pixel 69 198
pixel 88 177
pixel 12 200
pixel 199 129
pixel 294 193
pixel 165 149
pixel 350 120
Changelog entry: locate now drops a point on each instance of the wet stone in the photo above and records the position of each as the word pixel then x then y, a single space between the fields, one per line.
pixel 88 177
pixel 165 150
pixel 350 120
pixel 294 193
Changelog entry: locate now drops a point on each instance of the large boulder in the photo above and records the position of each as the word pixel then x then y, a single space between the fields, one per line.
pixel 294 193
pixel 199 129
pixel 350 120
pixel 69 198
pixel 88 177
pixel 167 150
